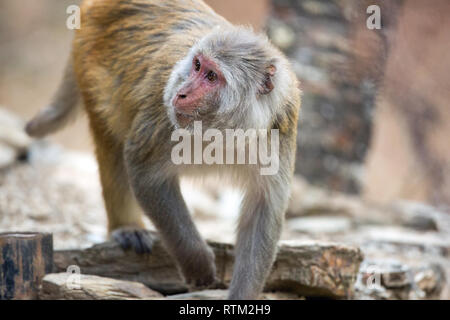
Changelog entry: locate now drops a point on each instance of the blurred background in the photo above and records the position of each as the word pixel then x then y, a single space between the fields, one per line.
pixel 374 129
pixel 375 115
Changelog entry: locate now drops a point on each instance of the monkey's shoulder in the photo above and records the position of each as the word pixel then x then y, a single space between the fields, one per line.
pixel 139 15
pixel 121 30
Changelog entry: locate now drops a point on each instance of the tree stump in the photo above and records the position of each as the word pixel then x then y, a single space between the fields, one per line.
pixel 25 258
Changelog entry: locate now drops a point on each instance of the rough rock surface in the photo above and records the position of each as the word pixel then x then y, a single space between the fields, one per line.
pixel 305 268
pixel 405 241
pixel 393 280
pixel 53 191
pixel 67 286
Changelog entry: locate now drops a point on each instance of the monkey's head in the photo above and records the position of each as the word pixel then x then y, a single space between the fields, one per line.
pixel 231 78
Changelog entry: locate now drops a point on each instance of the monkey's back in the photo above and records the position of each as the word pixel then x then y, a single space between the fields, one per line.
pixel 125 50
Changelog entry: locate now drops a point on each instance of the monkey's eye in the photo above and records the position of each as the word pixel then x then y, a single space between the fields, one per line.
pixel 211 76
pixel 197 65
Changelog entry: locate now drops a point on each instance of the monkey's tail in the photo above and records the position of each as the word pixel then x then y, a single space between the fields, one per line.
pixel 63 107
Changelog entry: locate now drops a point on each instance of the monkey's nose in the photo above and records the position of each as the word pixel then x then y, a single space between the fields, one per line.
pixel 185 101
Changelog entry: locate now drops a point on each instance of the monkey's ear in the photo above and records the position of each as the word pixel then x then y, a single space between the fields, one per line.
pixel 267 85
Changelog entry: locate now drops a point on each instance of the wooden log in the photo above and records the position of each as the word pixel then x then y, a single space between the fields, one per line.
pixel 305 268
pixel 25 258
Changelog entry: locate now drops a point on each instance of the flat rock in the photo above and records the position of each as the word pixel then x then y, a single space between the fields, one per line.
pixel 68 286
pixel 222 295
pixel 306 268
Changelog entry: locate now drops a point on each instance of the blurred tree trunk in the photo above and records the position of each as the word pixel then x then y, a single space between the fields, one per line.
pixel 339 62
pixel 410 154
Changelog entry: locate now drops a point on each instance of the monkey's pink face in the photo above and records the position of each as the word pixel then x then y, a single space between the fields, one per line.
pixel 198 91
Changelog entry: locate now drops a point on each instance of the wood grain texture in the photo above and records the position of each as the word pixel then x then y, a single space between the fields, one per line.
pixel 24 260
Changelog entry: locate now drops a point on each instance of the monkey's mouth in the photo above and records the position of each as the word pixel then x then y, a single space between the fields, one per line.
pixel 184 119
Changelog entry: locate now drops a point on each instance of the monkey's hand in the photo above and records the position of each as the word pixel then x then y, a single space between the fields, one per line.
pixel 137 239
pixel 199 270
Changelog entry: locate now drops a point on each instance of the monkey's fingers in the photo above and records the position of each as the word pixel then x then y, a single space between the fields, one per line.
pixel 139 240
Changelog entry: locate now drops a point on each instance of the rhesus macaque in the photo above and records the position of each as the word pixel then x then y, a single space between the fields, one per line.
pixel 144 68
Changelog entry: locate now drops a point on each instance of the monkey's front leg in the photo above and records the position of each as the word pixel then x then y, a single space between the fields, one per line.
pixel 161 199
pixel 259 231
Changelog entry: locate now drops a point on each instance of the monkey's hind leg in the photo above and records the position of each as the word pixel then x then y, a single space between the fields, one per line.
pixel 125 224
